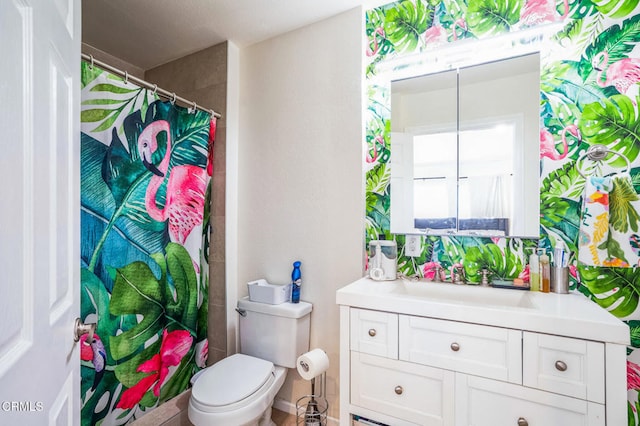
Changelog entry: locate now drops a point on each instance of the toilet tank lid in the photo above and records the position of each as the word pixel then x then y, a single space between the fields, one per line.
pixel 286 309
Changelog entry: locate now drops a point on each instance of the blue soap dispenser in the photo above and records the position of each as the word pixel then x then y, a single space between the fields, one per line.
pixel 296 280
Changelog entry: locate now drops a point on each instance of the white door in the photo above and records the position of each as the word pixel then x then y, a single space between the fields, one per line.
pixel 39 214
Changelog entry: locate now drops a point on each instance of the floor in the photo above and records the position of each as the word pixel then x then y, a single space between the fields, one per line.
pixel 174 413
pixel 280 418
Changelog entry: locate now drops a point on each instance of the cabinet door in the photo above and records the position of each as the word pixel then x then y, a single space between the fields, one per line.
pixel 374 332
pixel 485 402
pixel 482 350
pixel 564 365
pixel 411 392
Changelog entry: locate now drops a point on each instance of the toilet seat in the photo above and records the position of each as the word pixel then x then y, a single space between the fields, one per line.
pixel 232 383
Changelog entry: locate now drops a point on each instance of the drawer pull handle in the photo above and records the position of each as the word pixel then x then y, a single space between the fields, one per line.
pixel 561 366
pixel 523 422
pixel 372 332
pixel 455 347
pixel 399 390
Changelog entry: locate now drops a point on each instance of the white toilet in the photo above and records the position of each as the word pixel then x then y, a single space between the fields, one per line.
pixel 239 390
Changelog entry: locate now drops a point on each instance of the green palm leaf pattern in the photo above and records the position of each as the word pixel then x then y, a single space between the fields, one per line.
pixel 618 41
pixel 615 289
pixel 615 123
pixel 559 206
pixel 169 302
pixel 507 265
pixel 378 200
pixel 622 213
pixel 616 8
pixel 561 84
pixel 492 17
pixel 634 331
pixel 405 23
pixel 107 101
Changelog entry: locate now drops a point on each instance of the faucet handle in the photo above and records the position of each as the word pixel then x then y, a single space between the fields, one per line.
pixel 437 276
pixel 485 277
pixel 457 275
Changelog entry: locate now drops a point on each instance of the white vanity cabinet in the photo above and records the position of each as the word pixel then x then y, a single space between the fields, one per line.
pixel 446 363
pixel 485 402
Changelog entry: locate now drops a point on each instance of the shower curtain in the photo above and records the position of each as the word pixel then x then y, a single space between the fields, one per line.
pixel 146 170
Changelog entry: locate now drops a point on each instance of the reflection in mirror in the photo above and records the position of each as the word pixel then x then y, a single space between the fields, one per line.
pixel 465 150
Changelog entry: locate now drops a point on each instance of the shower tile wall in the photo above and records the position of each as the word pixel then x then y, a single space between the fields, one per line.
pixel 202 77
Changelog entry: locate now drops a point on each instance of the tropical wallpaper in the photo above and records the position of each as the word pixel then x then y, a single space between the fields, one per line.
pixel 590 75
pixel 146 170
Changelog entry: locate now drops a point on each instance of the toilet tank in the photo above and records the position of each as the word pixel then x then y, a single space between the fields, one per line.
pixel 277 333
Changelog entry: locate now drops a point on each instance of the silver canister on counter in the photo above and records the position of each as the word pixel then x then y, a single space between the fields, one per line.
pixel 560 279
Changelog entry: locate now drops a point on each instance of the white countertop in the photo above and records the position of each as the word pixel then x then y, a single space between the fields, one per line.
pixel 571 315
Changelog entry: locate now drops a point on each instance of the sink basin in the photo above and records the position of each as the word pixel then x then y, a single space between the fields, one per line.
pixel 570 315
pixel 464 294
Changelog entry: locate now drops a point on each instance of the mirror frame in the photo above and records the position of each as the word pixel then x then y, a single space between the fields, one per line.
pixel 524 217
pixel 454 56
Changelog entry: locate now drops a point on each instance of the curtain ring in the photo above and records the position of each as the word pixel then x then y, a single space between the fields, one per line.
pixel 173 98
pixel 126 77
pixel 155 89
pixel 194 108
pixel 91 64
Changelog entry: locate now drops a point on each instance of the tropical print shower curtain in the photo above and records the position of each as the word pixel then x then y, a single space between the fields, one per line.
pixel 146 169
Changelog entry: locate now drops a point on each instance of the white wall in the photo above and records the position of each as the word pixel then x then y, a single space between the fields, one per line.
pixel 300 179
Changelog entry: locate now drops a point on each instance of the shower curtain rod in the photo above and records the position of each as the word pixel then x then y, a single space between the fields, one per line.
pixel 170 95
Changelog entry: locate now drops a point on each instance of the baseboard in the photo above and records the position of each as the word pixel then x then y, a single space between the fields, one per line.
pixel 289 407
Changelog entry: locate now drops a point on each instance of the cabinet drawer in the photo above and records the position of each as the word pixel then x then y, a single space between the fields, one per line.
pixel 411 392
pixel 483 402
pixel 374 333
pixel 486 351
pixel 564 365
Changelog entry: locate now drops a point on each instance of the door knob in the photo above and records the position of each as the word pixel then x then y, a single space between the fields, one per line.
pixel 455 346
pixel 523 422
pixel 372 332
pixel 81 328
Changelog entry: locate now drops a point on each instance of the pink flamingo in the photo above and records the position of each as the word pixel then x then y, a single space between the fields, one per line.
pixel 437 34
pixel 372 51
pixel 548 144
pixel 536 12
pixel 621 74
pixel 379 140
pixel 459 23
pixel 184 205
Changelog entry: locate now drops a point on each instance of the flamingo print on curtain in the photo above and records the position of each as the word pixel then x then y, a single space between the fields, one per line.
pixel 146 186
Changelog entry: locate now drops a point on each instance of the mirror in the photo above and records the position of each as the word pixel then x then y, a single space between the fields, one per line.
pixel 465 150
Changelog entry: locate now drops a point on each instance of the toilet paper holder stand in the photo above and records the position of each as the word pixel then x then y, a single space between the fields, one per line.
pixel 312 409
pixel 323 380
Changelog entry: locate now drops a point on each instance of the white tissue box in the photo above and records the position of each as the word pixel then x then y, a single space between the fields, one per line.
pixel 263 292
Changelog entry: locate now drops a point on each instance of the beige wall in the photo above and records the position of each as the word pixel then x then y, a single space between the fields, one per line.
pixel 300 190
pixel 202 77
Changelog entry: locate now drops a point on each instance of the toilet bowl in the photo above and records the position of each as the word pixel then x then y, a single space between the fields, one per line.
pixel 239 390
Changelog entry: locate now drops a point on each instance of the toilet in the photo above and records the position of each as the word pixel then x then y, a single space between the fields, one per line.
pixel 239 390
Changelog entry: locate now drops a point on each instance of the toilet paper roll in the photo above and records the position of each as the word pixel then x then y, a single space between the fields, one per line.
pixel 312 364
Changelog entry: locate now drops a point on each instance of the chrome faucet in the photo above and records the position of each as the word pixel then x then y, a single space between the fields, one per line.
pixel 457 275
pixel 485 277
pixel 437 276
